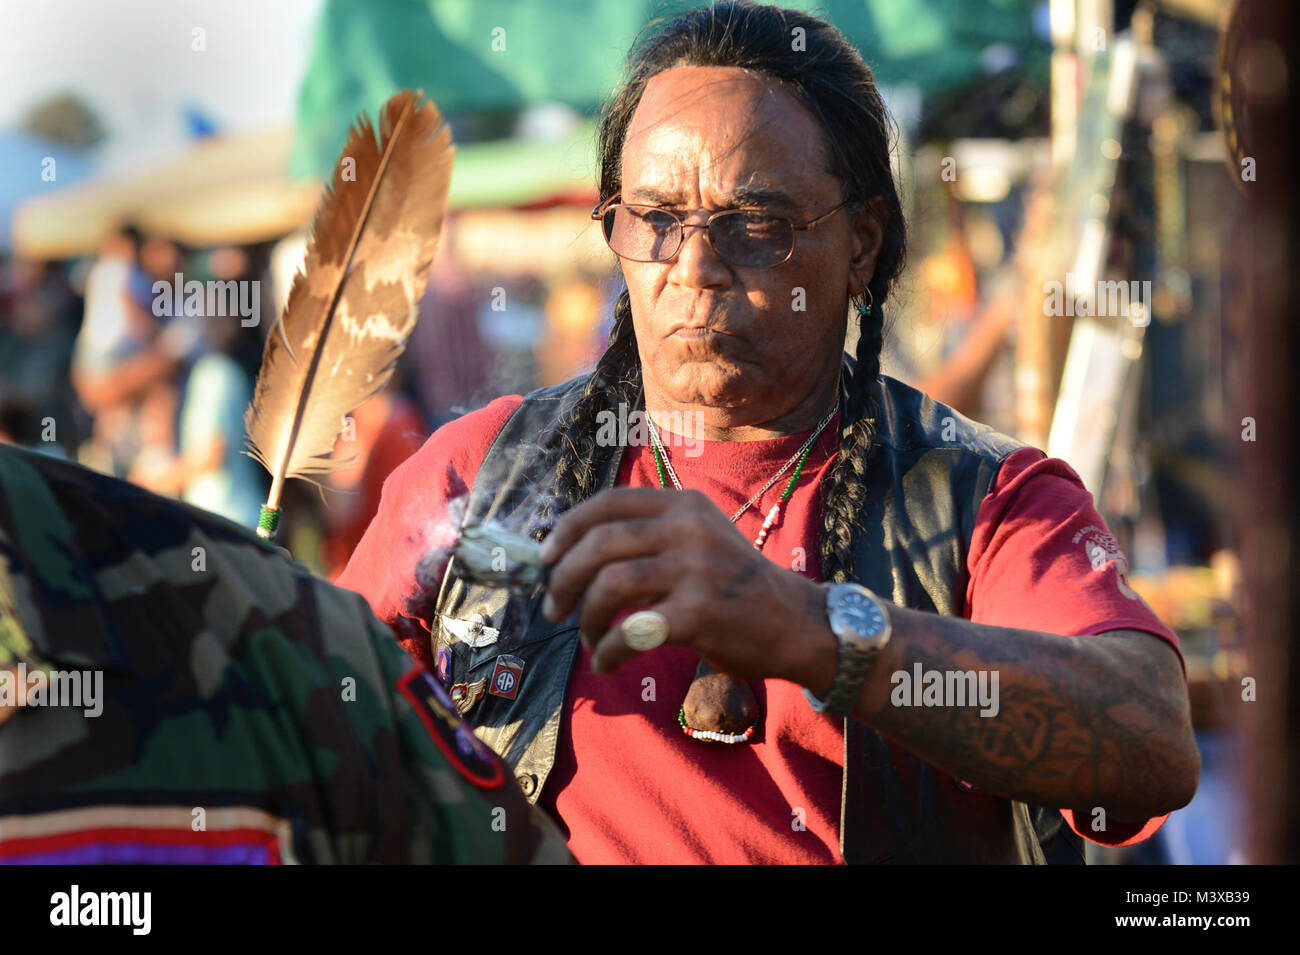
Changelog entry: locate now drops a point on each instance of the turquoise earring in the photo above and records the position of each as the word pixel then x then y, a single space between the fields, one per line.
pixel 864 310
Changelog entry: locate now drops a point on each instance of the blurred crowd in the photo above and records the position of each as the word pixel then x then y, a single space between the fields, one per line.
pixel 107 362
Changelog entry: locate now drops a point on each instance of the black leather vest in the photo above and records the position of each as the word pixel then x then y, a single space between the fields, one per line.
pixel 930 471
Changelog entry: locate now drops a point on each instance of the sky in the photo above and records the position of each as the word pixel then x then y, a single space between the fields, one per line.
pixel 135 63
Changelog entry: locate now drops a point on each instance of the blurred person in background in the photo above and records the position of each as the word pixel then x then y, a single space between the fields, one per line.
pixel 106 339
pixel 131 363
pixel 210 470
pixel 106 336
pixel 948 319
pixel 37 334
pixel 176 340
pixel 247 264
pixel 447 361
pixel 569 345
pixel 510 316
pixel 383 433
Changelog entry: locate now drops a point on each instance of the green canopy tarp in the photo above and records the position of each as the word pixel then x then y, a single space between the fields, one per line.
pixel 475 56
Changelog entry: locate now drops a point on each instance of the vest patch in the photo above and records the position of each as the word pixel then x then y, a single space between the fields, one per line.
pixel 466 752
pixel 506 677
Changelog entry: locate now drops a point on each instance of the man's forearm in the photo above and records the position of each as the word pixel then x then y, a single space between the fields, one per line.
pixel 1080 722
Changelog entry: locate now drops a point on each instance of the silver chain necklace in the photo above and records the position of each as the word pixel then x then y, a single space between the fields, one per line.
pixel 668 466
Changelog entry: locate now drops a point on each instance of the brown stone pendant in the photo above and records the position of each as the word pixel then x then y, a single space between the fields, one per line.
pixel 719 703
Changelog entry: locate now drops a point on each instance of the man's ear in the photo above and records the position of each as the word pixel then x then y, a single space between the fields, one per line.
pixel 868 224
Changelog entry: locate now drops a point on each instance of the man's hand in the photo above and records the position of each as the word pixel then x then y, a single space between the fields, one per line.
pixel 676 553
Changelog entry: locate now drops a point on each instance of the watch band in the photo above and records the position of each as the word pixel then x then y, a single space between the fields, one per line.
pixel 850 673
pixel 853 663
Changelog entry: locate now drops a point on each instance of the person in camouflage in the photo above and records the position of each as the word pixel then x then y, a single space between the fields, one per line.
pixel 229 707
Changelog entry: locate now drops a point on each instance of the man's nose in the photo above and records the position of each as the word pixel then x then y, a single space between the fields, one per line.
pixel 696 264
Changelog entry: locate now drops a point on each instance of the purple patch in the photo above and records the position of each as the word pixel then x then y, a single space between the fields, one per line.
pixel 126 853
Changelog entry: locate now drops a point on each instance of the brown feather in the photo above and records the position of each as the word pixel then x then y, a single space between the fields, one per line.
pixel 352 307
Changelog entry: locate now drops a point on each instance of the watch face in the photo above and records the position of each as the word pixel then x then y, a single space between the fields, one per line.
pixel 857 612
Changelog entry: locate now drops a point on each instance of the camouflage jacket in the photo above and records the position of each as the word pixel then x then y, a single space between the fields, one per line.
pixel 173 689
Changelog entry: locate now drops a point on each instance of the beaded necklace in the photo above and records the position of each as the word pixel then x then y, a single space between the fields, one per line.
pixel 799 459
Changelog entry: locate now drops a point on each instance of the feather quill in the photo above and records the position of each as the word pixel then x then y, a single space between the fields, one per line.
pixel 352 306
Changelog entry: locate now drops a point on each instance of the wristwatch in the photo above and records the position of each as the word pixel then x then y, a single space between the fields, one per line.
pixel 861 623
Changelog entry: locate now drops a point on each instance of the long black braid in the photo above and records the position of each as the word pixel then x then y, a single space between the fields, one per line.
pixel 616 381
pixel 844 489
pixel 823 70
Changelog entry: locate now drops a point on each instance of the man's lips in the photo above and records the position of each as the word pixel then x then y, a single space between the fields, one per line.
pixel 695 331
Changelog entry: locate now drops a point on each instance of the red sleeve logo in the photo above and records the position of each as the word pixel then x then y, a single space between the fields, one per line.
pixel 1104 553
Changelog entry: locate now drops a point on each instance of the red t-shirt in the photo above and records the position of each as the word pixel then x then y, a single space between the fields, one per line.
pixel 1041 558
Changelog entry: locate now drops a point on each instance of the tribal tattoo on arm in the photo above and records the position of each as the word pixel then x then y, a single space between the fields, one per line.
pixel 1078 722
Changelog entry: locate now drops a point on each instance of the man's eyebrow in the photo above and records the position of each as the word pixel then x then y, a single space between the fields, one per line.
pixel 750 195
pixel 760 196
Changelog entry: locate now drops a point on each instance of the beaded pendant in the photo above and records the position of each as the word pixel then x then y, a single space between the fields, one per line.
pixel 664 470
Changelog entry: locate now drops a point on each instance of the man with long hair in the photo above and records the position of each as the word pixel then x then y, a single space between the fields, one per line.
pixel 796 611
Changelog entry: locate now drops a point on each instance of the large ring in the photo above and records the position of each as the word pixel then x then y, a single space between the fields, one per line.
pixel 645 630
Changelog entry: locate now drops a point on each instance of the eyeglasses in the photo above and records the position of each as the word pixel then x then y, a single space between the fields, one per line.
pixel 741 237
